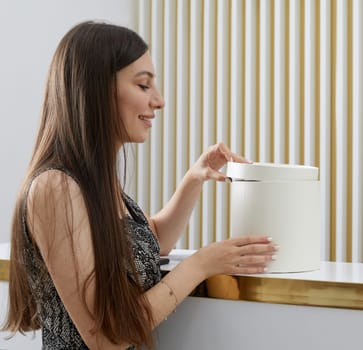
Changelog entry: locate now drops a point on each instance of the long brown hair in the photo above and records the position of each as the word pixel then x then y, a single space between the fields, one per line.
pixel 79 131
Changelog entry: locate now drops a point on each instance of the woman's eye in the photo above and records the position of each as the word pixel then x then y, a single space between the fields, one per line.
pixel 143 87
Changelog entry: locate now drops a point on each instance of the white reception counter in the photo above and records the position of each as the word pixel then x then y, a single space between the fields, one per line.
pixel 321 309
pixel 314 310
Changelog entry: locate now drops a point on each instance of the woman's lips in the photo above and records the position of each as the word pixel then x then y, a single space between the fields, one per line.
pixel 146 120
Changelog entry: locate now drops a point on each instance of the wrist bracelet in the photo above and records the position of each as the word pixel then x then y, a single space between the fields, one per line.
pixel 171 293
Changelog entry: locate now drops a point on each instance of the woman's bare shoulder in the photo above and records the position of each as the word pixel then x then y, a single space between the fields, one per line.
pixel 52 183
pixel 54 197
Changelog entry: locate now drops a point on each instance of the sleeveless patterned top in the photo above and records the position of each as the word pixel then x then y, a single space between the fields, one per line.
pixel 58 330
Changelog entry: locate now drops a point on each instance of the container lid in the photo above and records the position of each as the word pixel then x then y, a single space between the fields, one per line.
pixel 271 172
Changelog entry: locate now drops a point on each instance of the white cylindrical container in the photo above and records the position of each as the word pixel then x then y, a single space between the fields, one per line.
pixel 281 201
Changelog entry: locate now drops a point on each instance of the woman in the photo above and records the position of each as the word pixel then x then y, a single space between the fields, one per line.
pixel 85 259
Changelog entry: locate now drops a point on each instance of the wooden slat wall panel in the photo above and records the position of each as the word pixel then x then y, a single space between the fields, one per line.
pixel 278 81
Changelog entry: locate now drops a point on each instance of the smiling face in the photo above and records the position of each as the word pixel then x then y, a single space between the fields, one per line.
pixel 138 97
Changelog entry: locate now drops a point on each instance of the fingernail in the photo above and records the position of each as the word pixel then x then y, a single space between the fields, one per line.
pixel 265 269
pixel 228 179
pixel 273 257
pixel 269 239
pixel 276 247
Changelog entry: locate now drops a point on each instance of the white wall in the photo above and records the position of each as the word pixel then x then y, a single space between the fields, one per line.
pixel 29 34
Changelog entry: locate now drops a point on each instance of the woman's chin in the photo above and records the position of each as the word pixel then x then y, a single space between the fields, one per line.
pixel 140 138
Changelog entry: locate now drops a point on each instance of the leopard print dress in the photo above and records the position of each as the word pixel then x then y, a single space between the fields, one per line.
pixel 58 329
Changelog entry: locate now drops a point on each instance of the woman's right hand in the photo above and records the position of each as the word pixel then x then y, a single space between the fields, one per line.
pixel 242 255
pixel 233 256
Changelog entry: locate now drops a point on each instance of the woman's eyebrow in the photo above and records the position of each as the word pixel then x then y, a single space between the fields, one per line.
pixel 145 72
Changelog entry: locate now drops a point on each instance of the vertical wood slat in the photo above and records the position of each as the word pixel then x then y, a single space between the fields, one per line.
pixel 288 77
pixel 250 83
pixel 341 130
pixel 357 156
pixel 333 178
pixel 195 110
pixel 156 139
pixel 302 75
pixel 237 77
pixel 222 79
pixel 237 70
pixel 294 83
pixel 208 113
pixel 265 82
pixel 168 83
pixel 317 66
pixel 325 118
pixel 309 84
pixel 279 82
pixel 349 135
pixel 142 151
pixel 182 98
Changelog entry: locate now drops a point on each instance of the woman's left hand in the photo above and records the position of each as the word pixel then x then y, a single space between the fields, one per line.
pixel 208 165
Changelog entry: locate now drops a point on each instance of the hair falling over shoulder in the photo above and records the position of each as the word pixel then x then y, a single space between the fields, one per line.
pixel 79 131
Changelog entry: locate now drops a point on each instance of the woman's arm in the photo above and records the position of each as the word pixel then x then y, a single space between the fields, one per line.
pixel 59 225
pixel 172 219
pixel 168 223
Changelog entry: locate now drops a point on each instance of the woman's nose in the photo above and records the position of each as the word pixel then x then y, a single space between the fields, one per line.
pixel 158 101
